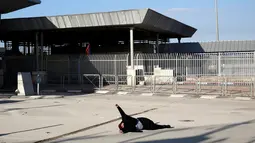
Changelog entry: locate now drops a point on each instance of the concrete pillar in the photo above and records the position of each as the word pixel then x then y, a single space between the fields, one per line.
pixel 132 47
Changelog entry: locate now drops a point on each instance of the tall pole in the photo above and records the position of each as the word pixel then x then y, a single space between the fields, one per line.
pixel 217 20
pixel 132 47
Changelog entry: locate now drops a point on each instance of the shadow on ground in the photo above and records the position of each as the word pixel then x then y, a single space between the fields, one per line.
pixel 5 134
pixel 6 101
pixel 192 139
pixel 14 109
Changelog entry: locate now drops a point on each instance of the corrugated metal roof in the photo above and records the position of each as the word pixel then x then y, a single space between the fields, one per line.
pixel 143 18
pixel 222 46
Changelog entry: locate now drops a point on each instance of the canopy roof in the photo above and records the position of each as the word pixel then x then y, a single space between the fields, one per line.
pixel 7 6
pixel 144 19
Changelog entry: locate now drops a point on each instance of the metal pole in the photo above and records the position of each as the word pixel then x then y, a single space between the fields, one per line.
pixel 132 47
pixel 157 44
pixel 219 64
pixel 41 41
pixel 217 20
pixel 37 52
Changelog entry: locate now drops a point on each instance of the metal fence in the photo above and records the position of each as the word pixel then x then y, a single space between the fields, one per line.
pixel 199 64
pixel 192 73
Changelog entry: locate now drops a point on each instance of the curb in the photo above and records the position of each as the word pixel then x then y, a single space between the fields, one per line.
pixel 147 94
pixel 209 96
pixel 45 97
pixel 243 98
pixel 177 95
pixel 102 91
pixel 122 93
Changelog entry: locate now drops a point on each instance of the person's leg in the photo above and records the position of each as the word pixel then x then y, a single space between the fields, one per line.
pixel 150 125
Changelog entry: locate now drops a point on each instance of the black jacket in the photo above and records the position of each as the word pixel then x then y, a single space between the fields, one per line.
pixel 129 122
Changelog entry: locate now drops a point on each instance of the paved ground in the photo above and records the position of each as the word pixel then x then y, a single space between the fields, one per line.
pixel 195 120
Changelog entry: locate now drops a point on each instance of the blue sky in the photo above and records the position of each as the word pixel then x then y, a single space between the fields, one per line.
pixel 235 16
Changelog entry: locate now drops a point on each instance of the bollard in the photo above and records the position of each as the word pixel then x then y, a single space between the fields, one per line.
pixel 38 81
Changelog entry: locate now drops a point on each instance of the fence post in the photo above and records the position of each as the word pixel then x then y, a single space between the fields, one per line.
pixel 79 69
pixel 100 82
pixel 196 84
pixel 225 86
pixel 253 87
pixel 174 85
pixel 199 85
pixel 127 60
pixel 176 65
pixel 117 83
pixel 68 72
pixel 219 64
pixel 153 83
pixel 115 69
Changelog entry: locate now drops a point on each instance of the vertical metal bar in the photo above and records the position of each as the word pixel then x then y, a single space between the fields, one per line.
pixel 41 41
pixel 37 51
pixel 219 64
pixel 253 87
pixel 115 70
pixel 29 48
pixel 253 70
pixel 176 63
pixel 217 20
pixel 132 47
pixel 79 70
pixel 157 43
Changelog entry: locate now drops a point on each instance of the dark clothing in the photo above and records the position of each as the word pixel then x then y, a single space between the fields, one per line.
pixel 130 123
pixel 150 125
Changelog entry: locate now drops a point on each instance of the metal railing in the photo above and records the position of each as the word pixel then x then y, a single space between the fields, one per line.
pixel 223 74
pixel 160 85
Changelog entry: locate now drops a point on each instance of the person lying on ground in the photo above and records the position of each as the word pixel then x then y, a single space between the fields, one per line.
pixel 130 124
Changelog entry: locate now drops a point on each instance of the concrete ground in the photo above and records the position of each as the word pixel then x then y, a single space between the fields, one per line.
pixel 195 120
